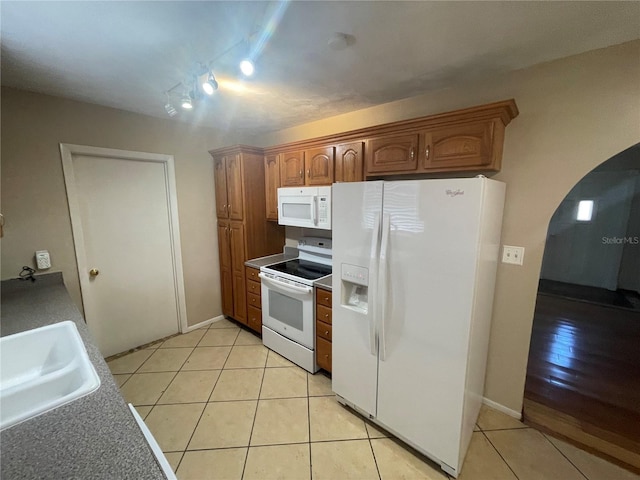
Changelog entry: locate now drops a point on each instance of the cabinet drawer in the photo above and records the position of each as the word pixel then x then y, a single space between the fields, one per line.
pixel 323 297
pixel 323 353
pixel 323 314
pixel 252 274
pixel 253 300
pixel 254 287
pixel 323 330
pixel 254 319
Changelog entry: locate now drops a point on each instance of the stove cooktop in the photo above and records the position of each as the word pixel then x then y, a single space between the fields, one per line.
pixel 302 268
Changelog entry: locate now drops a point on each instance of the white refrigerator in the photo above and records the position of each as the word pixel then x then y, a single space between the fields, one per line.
pixel 414 266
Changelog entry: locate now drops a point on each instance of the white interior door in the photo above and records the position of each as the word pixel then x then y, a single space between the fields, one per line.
pixel 124 220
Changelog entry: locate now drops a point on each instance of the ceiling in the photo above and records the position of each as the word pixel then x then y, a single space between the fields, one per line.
pixel 126 55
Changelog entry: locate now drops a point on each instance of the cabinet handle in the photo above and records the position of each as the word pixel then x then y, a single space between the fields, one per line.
pixel 300 173
pixel 326 332
pixel 427 152
pixel 326 299
pixel 308 173
pixel 228 207
pixel 411 153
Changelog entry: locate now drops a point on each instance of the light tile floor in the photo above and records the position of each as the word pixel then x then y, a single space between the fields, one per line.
pixel 222 406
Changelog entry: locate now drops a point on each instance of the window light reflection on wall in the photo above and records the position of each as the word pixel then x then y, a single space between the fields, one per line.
pixel 585 211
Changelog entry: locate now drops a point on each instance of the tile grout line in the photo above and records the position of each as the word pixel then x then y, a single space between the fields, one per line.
pixel 562 453
pixel 499 454
pixel 309 425
pixel 375 461
pixel 255 414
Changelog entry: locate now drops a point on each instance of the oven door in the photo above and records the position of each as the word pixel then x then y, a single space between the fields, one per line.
pixel 288 310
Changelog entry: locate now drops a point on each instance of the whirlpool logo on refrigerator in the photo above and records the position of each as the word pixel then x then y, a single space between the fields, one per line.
pixel 454 193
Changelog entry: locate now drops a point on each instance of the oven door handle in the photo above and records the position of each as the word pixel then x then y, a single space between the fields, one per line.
pixel 285 286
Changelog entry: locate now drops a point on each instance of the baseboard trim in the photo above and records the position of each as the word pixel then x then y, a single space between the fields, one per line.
pixel 501 408
pixel 191 328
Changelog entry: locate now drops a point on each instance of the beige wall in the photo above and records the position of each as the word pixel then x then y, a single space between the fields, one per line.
pixel 34 200
pixel 574 114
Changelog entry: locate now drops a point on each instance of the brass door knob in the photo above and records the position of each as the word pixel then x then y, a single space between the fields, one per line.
pixel 94 272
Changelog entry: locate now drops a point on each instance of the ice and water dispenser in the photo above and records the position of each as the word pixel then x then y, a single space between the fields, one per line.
pixel 355 287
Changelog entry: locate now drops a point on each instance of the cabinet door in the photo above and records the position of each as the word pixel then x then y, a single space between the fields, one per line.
pixel 319 165
pixel 271 182
pixel 235 205
pixel 220 183
pixel 236 234
pixel 292 169
pixel 349 162
pixel 459 146
pixel 226 276
pixel 396 154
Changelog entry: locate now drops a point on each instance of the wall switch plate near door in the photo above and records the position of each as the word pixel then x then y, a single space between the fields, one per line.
pixel 43 260
pixel 513 255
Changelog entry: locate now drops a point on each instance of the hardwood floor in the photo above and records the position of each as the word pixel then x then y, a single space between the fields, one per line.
pixel 583 376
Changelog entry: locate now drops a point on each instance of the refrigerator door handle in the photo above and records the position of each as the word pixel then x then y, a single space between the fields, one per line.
pixel 383 284
pixel 373 269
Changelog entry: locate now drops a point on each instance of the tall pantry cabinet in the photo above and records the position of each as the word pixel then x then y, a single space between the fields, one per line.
pixel 243 229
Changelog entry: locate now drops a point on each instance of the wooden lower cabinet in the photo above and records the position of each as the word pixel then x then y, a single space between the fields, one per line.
pixel 254 299
pixel 323 329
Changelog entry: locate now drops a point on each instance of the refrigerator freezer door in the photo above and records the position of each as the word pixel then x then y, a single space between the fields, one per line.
pixel 356 221
pixel 433 243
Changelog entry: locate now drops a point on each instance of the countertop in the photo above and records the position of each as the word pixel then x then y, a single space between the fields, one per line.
pixel 324 282
pixel 271 259
pixel 94 437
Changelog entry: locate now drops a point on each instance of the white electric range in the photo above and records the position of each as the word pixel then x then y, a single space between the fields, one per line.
pixel 288 315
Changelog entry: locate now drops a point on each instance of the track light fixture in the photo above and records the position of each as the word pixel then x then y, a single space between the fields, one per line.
pixel 201 79
pixel 210 85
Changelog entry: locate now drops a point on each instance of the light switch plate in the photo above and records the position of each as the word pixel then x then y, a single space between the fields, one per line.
pixel 513 255
pixel 43 260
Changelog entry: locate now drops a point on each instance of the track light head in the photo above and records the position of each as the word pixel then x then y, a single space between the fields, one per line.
pixel 247 67
pixel 186 102
pixel 210 85
pixel 170 109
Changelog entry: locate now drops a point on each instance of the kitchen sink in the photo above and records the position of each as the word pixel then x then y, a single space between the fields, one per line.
pixel 42 369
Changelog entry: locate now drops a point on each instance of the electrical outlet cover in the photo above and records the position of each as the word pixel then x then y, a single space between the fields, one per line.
pixel 43 260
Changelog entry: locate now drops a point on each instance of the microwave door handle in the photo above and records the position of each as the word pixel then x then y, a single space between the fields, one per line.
pixel 314 207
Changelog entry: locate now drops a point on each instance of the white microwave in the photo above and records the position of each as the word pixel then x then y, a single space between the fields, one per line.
pixel 308 207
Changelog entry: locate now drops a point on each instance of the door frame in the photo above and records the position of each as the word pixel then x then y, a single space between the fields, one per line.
pixel 67 151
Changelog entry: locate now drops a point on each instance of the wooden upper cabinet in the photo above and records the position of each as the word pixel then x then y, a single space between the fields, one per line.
pixel 392 154
pixel 220 183
pixel 349 164
pixel 460 146
pixel 235 205
pixel 469 140
pixel 271 184
pixel 318 163
pixel 292 169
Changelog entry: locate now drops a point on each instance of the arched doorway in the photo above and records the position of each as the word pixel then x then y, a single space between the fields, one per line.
pixel 583 373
